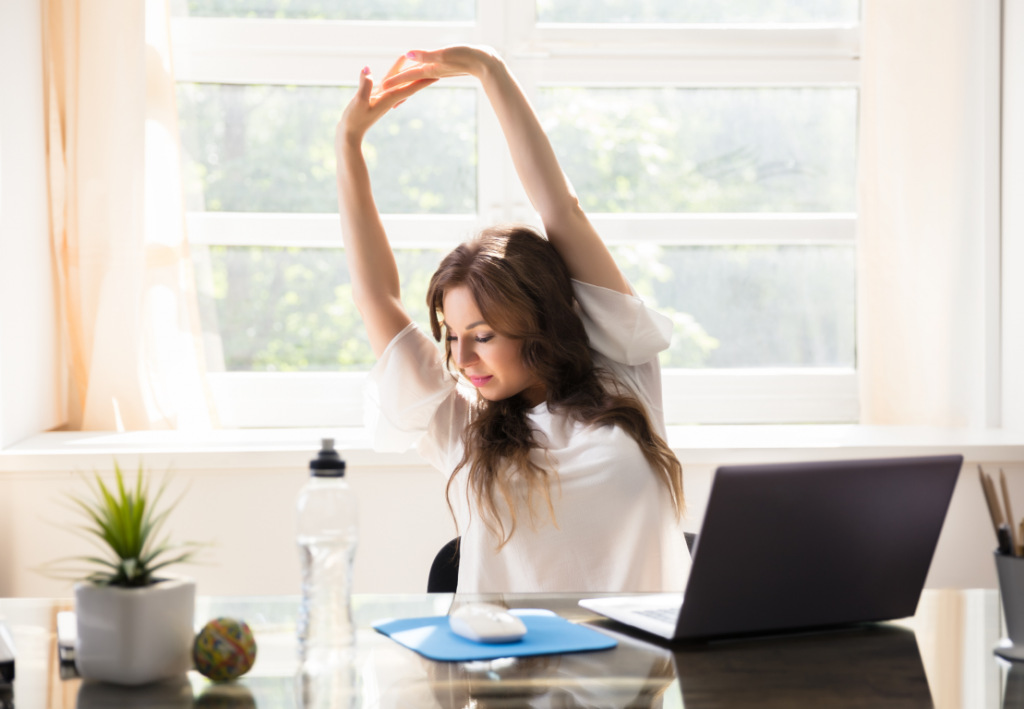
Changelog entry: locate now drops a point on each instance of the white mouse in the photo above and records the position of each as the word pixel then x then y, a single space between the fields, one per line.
pixel 486 623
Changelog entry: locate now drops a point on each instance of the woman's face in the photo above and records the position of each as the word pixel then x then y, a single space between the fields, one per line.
pixel 491 362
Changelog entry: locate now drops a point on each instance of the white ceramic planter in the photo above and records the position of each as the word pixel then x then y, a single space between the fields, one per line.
pixel 132 636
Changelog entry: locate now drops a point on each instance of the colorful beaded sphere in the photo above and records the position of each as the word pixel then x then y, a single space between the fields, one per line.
pixel 224 649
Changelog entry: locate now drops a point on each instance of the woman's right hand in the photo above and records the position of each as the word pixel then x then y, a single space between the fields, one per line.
pixel 366 107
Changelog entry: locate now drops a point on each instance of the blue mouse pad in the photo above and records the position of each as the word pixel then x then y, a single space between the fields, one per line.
pixel 546 634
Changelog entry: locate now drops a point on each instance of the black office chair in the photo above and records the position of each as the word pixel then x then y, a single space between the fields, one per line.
pixel 444 572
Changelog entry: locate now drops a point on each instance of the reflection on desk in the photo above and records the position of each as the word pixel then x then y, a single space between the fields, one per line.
pixel 877 666
pixel 632 674
pixel 940 657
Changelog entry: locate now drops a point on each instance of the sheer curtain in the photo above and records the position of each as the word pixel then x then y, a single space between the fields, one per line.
pixel 132 337
pixel 928 213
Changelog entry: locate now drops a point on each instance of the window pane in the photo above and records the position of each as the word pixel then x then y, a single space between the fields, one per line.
pixel 750 306
pixel 402 10
pixel 290 309
pixel 706 150
pixel 700 11
pixel 271 149
pixel 278 309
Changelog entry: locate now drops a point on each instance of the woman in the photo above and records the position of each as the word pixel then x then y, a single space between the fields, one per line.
pixel 559 475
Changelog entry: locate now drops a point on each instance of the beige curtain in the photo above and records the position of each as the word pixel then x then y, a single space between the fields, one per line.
pixel 131 328
pixel 925 190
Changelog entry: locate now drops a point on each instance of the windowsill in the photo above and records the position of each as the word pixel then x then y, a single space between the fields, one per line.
pixel 249 449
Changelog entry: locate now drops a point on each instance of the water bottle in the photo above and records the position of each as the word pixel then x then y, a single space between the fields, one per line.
pixel 327 543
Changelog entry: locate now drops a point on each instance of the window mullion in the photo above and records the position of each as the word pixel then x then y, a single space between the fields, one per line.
pixel 490 23
pixel 446 230
pixel 520 24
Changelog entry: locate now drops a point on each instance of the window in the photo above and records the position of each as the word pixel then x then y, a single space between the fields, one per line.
pixel 712 143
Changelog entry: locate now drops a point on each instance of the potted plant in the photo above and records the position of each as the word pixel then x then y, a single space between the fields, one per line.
pixel 134 626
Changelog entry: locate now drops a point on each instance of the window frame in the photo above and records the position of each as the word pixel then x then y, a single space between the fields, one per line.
pixel 324 53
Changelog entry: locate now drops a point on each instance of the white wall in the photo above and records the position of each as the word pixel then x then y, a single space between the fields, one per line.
pixel 1013 216
pixel 249 518
pixel 28 324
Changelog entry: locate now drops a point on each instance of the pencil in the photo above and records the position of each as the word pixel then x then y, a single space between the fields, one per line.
pixel 990 498
pixel 1009 510
pixel 993 497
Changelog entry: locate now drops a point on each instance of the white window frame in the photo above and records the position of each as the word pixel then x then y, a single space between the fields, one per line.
pixel 244 51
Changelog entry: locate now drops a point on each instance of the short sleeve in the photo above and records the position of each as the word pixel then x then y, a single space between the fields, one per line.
pixel 620 326
pixel 404 390
pixel 626 337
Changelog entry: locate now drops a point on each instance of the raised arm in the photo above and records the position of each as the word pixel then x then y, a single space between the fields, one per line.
pixel 549 190
pixel 376 288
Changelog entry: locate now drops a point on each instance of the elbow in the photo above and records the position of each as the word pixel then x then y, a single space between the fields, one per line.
pixel 567 216
pixel 572 202
pixel 573 208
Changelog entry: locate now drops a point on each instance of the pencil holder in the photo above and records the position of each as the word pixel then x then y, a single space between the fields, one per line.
pixel 1011 592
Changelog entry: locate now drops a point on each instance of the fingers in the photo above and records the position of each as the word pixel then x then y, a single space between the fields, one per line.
pixel 395 68
pixel 410 75
pixel 422 57
pixel 416 73
pixel 397 77
pixel 365 85
pixel 390 99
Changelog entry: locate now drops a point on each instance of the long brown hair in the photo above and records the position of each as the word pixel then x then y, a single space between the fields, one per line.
pixel 523 290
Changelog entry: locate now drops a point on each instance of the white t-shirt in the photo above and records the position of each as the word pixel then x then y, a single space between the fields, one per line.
pixel 614 527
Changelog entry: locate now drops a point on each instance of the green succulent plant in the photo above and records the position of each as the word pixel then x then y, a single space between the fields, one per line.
pixel 126 523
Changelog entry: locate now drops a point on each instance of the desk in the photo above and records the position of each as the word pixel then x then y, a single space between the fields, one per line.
pixel 941 657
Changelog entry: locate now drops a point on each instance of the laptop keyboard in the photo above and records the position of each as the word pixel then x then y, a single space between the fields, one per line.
pixel 665 615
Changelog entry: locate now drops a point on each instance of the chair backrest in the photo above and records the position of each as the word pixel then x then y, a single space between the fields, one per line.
pixel 444 572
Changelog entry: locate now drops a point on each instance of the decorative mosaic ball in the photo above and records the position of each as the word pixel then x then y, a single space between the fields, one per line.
pixel 224 649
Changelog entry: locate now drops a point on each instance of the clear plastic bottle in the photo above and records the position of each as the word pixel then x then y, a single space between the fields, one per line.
pixel 328 527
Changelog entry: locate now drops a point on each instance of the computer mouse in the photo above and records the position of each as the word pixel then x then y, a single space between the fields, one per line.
pixel 486 623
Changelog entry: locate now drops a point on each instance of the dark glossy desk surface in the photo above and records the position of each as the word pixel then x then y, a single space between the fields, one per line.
pixel 941 657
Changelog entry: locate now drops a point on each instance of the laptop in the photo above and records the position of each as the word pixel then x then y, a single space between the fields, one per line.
pixel 803 546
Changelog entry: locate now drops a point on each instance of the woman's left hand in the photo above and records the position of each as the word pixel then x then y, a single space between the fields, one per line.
pixel 440 63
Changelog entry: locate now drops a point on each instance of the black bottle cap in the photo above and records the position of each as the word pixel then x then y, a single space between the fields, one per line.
pixel 327 464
